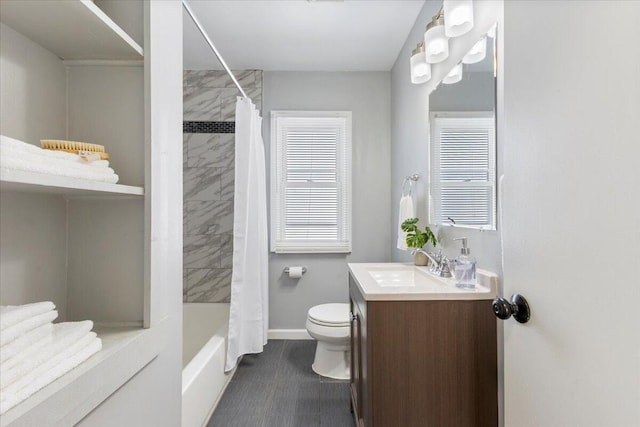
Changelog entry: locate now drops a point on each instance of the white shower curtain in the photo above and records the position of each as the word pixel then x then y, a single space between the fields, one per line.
pixel 249 313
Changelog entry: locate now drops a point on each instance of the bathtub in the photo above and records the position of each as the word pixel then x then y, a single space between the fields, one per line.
pixel 205 328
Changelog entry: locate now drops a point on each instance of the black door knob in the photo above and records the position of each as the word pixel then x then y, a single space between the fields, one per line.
pixel 518 307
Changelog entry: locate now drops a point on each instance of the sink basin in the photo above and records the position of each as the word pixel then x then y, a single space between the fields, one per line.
pixel 388 278
pixel 406 276
pixel 397 281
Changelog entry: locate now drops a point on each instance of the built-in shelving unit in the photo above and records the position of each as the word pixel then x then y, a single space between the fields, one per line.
pixel 15 180
pixel 96 234
pixel 71 29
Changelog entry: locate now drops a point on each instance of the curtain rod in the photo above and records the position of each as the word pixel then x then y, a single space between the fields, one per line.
pixel 212 46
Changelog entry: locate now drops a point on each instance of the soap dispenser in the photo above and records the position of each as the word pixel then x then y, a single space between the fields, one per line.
pixel 465 263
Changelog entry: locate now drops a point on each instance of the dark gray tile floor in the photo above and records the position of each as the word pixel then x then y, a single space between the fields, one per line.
pixel 278 388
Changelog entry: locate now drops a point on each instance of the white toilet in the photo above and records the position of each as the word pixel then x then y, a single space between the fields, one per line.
pixel 329 325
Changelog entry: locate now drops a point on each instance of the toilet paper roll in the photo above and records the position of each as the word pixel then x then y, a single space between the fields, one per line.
pixel 295 272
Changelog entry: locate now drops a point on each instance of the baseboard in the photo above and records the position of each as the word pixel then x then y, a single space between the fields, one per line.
pixel 288 334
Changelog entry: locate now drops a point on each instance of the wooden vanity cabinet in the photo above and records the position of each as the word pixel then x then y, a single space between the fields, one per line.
pixel 423 363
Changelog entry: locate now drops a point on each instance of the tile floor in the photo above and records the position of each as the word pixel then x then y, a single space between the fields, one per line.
pixel 277 388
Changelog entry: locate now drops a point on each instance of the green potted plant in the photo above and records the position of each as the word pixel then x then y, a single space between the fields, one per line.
pixel 417 238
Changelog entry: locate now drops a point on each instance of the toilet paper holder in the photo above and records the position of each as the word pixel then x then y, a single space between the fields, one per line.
pixel 286 270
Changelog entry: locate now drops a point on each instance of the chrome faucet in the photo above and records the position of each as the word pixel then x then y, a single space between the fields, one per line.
pixel 439 263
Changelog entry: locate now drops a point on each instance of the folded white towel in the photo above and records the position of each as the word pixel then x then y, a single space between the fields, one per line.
pixel 12 314
pixel 49 371
pixel 8 163
pixel 64 335
pixel 405 212
pixel 100 164
pixel 8 144
pixel 18 155
pixel 12 332
pixel 34 337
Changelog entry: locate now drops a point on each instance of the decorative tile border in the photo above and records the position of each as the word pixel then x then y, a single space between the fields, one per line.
pixel 208 127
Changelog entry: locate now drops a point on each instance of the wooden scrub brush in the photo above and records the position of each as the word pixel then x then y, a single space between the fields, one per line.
pixel 75 147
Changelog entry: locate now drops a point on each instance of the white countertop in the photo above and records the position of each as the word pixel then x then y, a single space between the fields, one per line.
pixel 404 282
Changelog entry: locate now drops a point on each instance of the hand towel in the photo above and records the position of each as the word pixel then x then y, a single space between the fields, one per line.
pixel 64 335
pixel 12 314
pixel 15 331
pixel 50 371
pixel 34 337
pixel 405 212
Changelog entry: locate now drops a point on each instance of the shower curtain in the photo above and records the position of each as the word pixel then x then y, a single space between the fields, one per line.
pixel 248 316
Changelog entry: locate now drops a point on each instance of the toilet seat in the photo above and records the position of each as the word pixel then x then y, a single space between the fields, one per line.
pixel 330 315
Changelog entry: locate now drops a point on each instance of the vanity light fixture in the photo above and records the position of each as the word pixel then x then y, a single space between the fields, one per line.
pixel 436 43
pixel 458 17
pixel 420 69
pixel 477 53
pixel 454 76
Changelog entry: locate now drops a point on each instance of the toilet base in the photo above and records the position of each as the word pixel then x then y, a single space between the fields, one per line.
pixel 332 360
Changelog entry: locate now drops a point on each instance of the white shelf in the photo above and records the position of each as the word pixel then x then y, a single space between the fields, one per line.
pixel 125 351
pixel 15 180
pixel 71 29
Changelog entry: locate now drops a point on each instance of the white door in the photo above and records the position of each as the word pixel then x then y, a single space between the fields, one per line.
pixel 571 212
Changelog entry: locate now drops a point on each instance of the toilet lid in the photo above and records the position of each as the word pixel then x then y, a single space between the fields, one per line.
pixel 330 314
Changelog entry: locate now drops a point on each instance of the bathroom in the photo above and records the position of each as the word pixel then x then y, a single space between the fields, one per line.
pixel 153 260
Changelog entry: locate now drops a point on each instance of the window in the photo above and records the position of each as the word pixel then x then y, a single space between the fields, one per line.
pixel 463 169
pixel 310 181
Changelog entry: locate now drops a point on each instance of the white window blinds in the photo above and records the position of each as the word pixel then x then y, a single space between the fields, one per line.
pixel 463 169
pixel 310 181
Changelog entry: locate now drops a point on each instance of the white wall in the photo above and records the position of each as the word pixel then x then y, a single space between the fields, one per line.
pixel 366 94
pixel 33 82
pixel 33 243
pixel 32 107
pixel 410 135
pixel 106 106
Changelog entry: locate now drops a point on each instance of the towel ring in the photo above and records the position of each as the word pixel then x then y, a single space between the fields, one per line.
pixel 411 180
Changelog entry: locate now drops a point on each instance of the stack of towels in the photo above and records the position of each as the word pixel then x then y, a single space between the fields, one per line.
pixel 18 155
pixel 34 351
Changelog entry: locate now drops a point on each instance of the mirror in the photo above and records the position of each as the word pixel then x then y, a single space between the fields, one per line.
pixel 462 142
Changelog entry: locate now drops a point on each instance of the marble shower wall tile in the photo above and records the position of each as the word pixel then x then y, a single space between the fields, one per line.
pixel 210 150
pixel 220 79
pixel 201 183
pixel 202 251
pixel 213 217
pixel 227 180
pixel 207 285
pixel 208 164
pixel 201 104
pixel 226 251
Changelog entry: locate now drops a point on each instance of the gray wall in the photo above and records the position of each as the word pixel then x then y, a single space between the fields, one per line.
pixel 475 92
pixel 410 136
pixel 367 95
pixel 208 167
